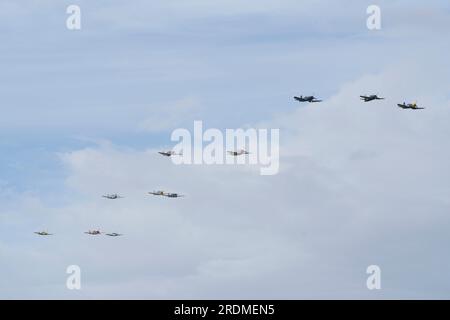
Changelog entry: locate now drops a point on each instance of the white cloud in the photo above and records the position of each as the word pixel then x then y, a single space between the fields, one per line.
pixel 359 184
pixel 362 184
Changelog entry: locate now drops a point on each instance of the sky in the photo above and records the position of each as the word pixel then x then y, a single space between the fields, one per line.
pixel 84 113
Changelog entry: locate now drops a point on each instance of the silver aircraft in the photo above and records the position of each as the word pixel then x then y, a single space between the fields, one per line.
pixel 112 196
pixel 309 99
pixel 158 193
pixel 238 153
pixel 166 194
pixel 174 195
pixel 44 233
pixel 93 232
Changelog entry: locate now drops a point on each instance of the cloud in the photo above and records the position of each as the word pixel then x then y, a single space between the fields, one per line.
pixel 359 183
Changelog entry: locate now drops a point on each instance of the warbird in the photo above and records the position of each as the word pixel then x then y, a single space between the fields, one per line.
pixel 307 99
pixel 174 195
pixel 157 193
pixel 114 234
pixel 166 194
pixel 238 153
pixel 93 232
pixel 112 196
pixel 44 233
pixel 409 106
pixel 370 98
pixel 170 153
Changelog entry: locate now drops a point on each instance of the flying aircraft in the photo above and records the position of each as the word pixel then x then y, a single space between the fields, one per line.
pixel 158 193
pixel 307 99
pixel 170 153
pixel 166 194
pixel 44 233
pixel 112 196
pixel 93 232
pixel 409 106
pixel 174 195
pixel 238 153
pixel 370 98
pixel 114 234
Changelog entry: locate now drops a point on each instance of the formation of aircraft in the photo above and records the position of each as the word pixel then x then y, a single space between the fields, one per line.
pixel 43 233
pixel 370 98
pixel 365 98
pixel 112 196
pixel 309 99
pixel 403 105
pixel 170 153
pixel 238 153
pixel 166 194
pixel 90 232
pixel 412 106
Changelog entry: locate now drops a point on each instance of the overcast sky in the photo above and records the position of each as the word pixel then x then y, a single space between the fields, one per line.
pixel 83 113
